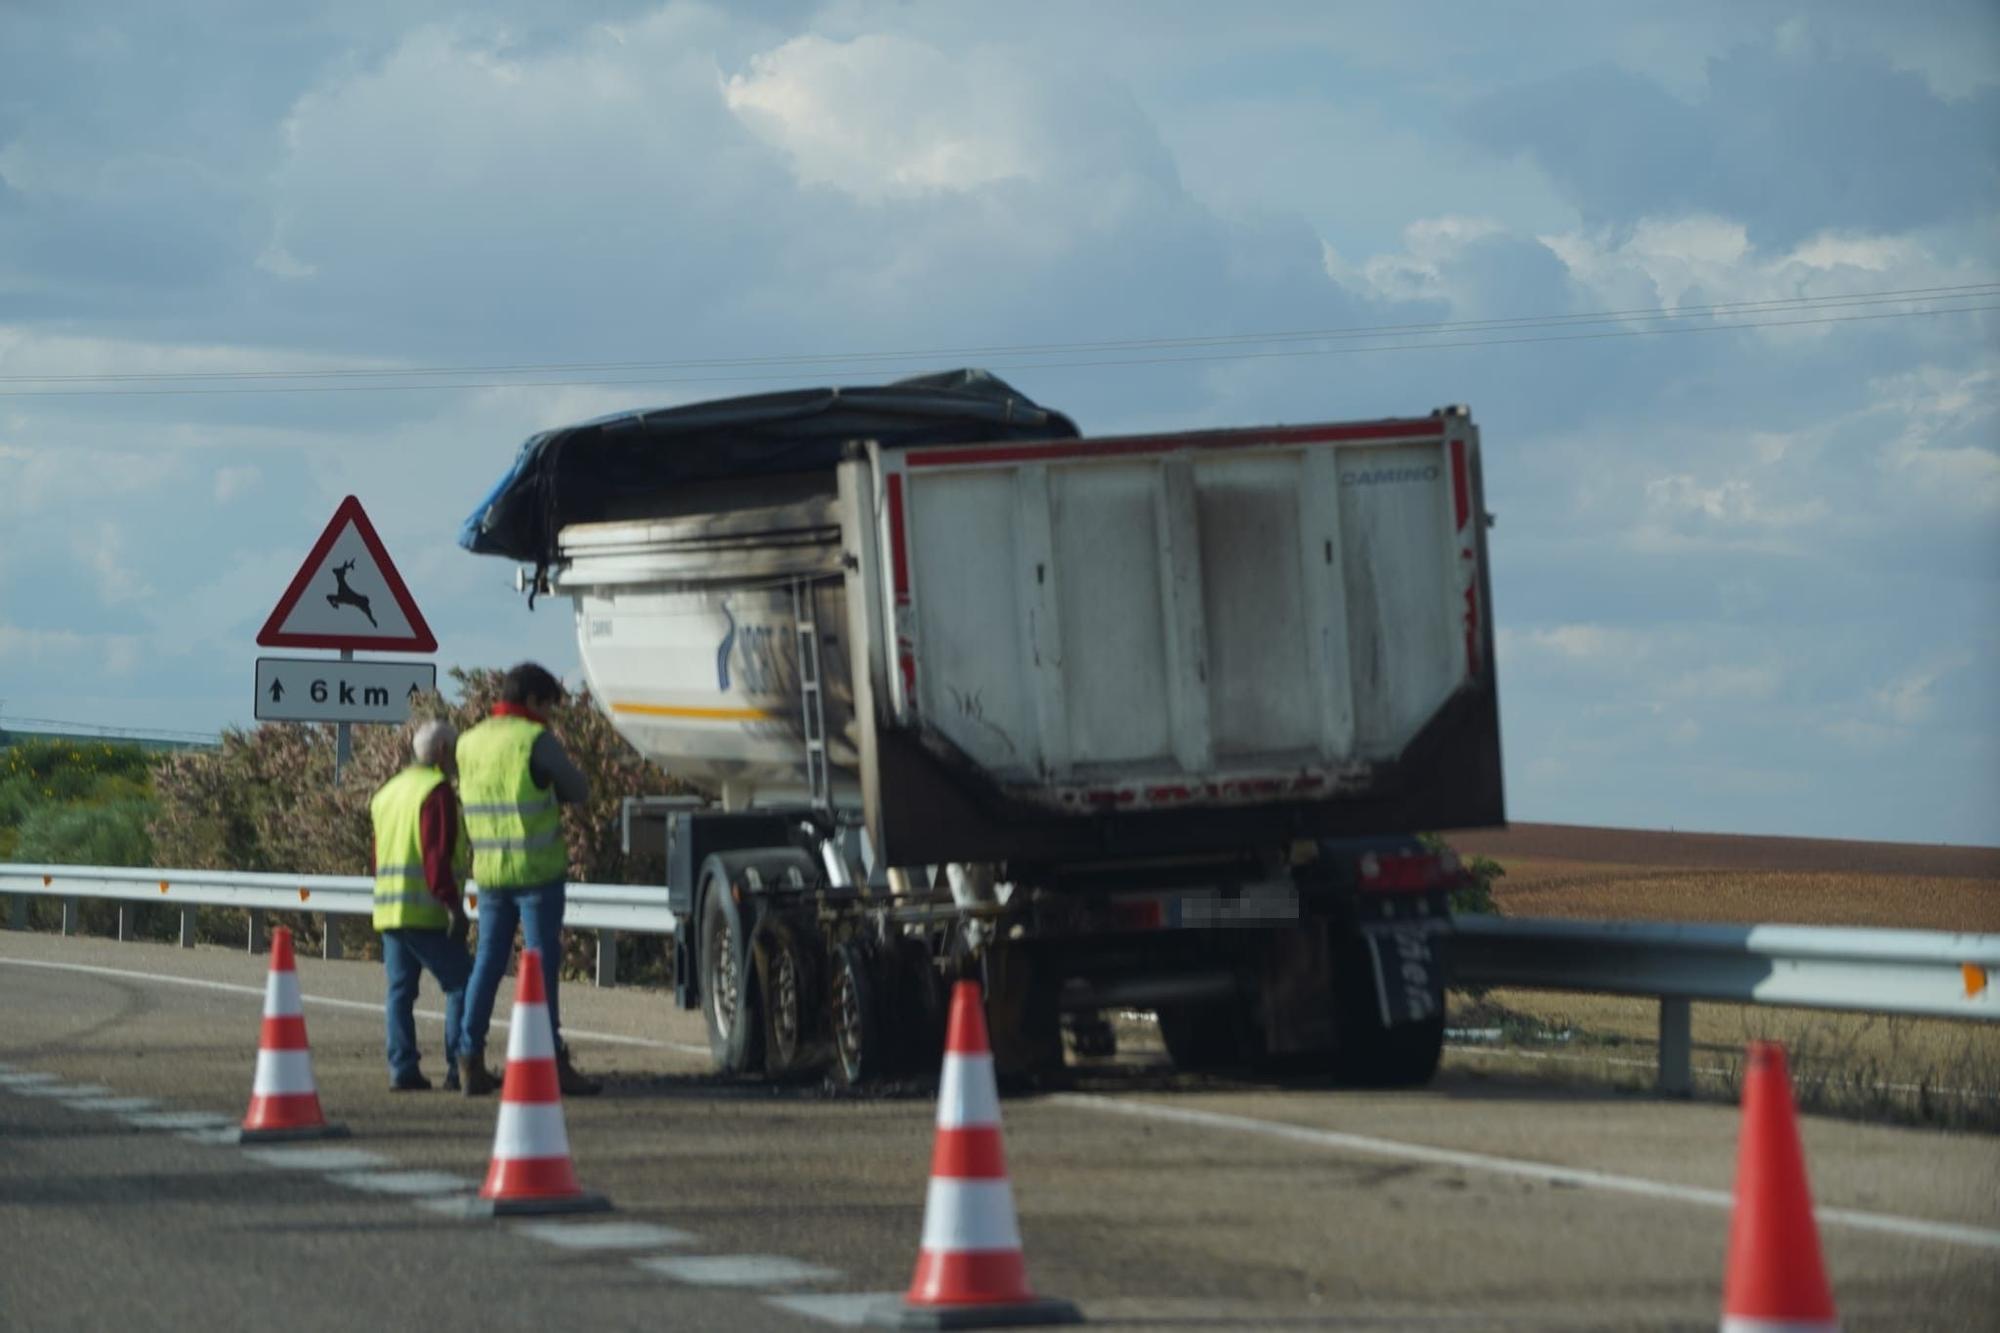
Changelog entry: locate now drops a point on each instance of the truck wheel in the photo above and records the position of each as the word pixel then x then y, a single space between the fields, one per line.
pixel 789 987
pixel 923 1004
pixel 1023 1016
pixel 861 1038
pixel 1202 1037
pixel 728 985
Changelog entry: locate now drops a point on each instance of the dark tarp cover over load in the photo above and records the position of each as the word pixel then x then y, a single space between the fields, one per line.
pixel 618 466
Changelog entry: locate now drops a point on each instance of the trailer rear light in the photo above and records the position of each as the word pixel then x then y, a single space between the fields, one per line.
pixel 1403 872
pixel 1138 913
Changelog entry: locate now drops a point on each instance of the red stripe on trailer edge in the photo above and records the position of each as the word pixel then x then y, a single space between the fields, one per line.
pixel 1111 446
pixel 899 549
pixel 1461 498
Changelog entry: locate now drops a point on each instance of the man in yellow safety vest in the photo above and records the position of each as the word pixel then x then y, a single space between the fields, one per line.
pixel 513 776
pixel 420 858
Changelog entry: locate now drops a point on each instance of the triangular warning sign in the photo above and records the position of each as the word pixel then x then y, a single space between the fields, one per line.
pixel 348 595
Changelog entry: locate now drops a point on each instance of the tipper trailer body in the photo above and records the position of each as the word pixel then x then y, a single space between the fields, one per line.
pixel 1138 722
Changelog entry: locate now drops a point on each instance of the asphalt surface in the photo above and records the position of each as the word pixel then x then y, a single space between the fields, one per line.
pixel 1150 1200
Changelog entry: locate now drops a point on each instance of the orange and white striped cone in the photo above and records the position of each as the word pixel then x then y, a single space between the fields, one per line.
pixel 284 1101
pixel 531 1171
pixel 970 1269
pixel 1774 1282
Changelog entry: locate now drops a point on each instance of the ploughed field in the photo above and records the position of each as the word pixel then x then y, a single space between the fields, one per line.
pixel 1922 1070
pixel 1560 871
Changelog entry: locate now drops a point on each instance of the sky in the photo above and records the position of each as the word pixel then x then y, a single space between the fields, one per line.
pixel 1746 565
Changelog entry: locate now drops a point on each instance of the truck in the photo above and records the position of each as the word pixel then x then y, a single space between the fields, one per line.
pixel 1143 722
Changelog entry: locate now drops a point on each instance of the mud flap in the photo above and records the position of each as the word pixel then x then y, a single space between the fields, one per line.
pixel 1409 973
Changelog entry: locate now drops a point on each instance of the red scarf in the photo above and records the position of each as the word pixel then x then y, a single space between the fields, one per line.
pixel 519 710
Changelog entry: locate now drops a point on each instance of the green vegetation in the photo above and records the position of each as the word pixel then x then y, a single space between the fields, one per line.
pixel 79 803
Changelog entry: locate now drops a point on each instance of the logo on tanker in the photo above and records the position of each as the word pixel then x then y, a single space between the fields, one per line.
pixel 754 651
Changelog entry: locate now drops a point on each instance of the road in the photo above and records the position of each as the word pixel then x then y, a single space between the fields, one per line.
pixel 1477 1203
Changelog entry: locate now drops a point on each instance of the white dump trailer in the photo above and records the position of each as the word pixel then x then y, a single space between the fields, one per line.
pixel 1123 722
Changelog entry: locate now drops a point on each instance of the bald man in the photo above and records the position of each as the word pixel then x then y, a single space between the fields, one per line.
pixel 420 860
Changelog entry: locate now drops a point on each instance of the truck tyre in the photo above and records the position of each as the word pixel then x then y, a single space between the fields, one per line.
pixel 861 1036
pixel 789 960
pixel 1201 1037
pixel 1023 1016
pixel 923 1005
pixel 728 984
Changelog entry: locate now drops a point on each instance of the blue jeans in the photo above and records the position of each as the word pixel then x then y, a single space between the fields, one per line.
pixel 539 911
pixel 405 955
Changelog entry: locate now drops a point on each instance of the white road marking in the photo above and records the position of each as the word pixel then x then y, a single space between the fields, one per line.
pixel 842 1309
pixel 606 1235
pixel 318 1159
pixel 455 1205
pixel 325 1002
pixel 737 1270
pixel 213 1137
pixel 1544 1172
pixel 63 1090
pixel 427 1183
pixel 178 1120
pixel 121 1105
pixel 25 1080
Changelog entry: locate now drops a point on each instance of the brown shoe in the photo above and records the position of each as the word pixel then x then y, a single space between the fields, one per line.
pixel 478 1080
pixel 572 1083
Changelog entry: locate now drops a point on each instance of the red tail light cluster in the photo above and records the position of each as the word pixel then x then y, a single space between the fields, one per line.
pixel 1404 871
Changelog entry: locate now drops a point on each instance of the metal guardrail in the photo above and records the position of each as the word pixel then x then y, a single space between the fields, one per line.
pixel 604 908
pixel 1927 973
pixel 1932 974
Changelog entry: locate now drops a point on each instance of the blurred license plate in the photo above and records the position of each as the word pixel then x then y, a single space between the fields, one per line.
pixel 1409 983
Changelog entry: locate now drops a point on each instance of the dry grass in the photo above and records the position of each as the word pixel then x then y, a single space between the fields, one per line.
pixel 1866 1066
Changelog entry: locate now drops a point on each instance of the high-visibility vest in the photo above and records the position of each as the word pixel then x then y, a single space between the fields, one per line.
pixel 403 898
pixel 517 837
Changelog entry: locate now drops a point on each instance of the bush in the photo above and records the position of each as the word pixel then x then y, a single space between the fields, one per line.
pixel 113 833
pixel 266 801
pixel 75 803
pixel 1476 897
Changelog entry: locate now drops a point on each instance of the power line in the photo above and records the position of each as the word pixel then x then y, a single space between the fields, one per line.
pixel 101 731
pixel 1067 364
pixel 1962 291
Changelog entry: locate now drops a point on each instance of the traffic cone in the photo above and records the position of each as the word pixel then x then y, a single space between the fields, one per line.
pixel 284 1101
pixel 1774 1282
pixel 970 1270
pixel 531 1171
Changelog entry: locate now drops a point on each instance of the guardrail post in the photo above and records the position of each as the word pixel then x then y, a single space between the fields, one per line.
pixel 70 909
pixel 607 958
pixel 1676 1046
pixel 329 935
pixel 127 927
pixel 17 911
pixel 256 931
pixel 187 928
